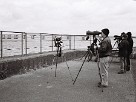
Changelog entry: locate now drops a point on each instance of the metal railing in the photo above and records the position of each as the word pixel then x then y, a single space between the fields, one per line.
pixel 22 43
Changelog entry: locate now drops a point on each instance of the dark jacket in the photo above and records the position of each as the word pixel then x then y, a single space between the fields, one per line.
pixel 123 48
pixel 105 48
pixel 130 48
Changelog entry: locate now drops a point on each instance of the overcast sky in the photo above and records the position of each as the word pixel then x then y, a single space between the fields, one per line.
pixel 68 16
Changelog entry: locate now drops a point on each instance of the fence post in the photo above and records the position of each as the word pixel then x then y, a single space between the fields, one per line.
pixel 22 42
pixel 52 42
pixel 74 42
pixel 40 43
pixel 1 45
pixel 25 42
pixel 70 42
pixel 90 40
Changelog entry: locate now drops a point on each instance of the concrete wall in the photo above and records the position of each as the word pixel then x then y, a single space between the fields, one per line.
pixel 19 65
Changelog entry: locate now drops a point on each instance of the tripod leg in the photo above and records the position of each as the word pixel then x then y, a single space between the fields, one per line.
pixel 84 55
pixel 56 62
pixel 68 69
pixel 56 65
pixel 98 61
pixel 100 76
pixel 80 69
pixel 90 55
pixel 53 60
pixel 114 44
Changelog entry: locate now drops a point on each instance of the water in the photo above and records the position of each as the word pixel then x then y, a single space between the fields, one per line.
pixel 18 46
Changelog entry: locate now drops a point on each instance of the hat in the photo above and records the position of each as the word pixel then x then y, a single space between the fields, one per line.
pixel 122 33
pixel 129 34
pixel 105 31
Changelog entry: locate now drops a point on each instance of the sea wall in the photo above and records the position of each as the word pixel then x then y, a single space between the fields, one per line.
pixel 23 64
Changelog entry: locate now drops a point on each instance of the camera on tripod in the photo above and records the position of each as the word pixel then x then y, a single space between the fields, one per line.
pixel 95 39
pixel 58 38
pixel 117 37
pixel 58 41
pixel 94 33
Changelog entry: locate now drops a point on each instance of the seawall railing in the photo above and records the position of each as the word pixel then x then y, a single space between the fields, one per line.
pixel 22 43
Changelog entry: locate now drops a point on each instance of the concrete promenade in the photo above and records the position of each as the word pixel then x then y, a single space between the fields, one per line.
pixel 42 85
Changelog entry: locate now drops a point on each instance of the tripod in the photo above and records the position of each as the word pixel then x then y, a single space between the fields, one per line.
pixel 115 43
pixel 87 54
pixel 59 54
pixel 114 50
pixel 90 55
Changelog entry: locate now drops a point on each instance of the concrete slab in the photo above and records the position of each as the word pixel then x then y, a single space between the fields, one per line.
pixel 42 85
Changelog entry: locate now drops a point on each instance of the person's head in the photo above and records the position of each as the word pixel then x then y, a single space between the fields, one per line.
pixel 129 34
pixel 122 33
pixel 105 32
pixel 124 36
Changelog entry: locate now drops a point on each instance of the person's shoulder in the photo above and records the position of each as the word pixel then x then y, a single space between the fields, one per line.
pixel 107 39
pixel 126 41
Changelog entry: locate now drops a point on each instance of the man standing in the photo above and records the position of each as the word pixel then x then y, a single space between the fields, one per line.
pixel 130 49
pixel 104 50
pixel 123 52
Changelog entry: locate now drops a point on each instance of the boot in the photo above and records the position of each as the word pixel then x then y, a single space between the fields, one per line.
pixel 128 68
pixel 121 72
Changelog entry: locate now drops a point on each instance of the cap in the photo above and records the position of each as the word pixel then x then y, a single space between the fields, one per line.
pixel 105 31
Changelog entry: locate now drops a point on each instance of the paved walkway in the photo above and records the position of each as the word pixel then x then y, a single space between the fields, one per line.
pixel 42 85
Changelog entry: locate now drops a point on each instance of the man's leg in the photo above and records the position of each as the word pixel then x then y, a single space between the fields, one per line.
pixel 104 66
pixel 125 64
pixel 121 65
pixel 128 62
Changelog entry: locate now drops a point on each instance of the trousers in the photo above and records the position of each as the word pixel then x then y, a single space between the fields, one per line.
pixel 128 62
pixel 123 61
pixel 104 66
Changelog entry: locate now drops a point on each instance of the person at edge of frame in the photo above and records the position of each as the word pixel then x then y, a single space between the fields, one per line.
pixel 123 52
pixel 104 51
pixel 130 49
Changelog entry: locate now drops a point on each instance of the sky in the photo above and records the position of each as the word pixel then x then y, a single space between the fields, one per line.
pixel 68 16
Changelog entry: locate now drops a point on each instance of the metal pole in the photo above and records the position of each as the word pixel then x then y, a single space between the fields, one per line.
pixel 74 42
pixel 90 40
pixel 52 42
pixel 40 43
pixel 22 43
pixel 70 43
pixel 26 42
pixel 1 45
